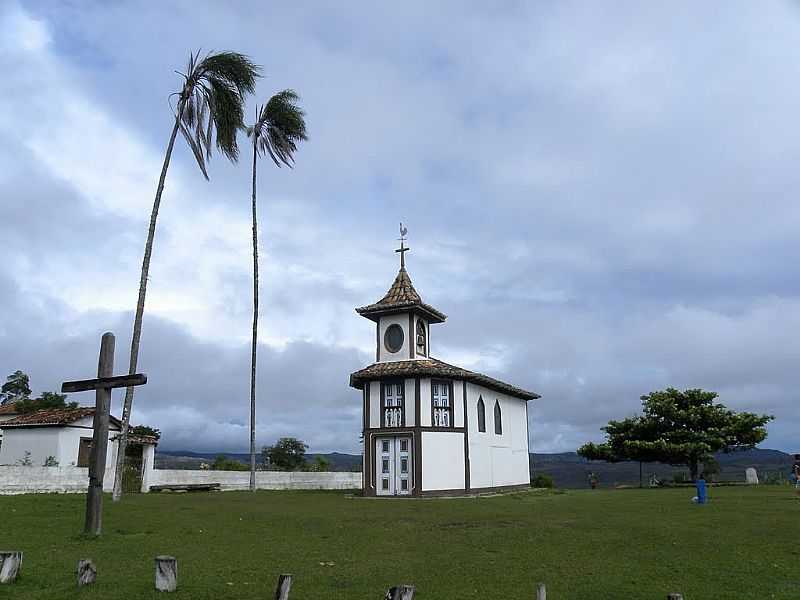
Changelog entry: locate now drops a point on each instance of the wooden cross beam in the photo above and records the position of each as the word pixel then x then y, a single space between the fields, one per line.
pixel 102 384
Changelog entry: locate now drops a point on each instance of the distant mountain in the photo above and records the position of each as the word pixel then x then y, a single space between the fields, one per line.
pixel 186 459
pixel 567 468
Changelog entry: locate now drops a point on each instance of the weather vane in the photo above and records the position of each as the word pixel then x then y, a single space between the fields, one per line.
pixel 402 249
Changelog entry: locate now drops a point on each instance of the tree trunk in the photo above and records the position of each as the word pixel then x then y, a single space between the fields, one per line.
pixel 87 572
pixel 255 328
pixel 693 469
pixel 10 563
pixel 641 484
pixel 137 322
pixel 166 573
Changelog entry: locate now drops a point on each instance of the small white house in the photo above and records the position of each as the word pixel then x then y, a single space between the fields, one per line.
pixel 63 437
pixel 7 412
pixel 431 428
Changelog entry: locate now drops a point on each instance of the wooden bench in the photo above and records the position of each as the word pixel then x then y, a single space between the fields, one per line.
pixel 187 487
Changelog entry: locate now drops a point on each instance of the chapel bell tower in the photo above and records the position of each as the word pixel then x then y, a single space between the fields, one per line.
pixel 402 319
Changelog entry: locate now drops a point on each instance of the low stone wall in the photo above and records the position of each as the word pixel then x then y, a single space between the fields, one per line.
pixel 42 480
pixel 74 480
pixel 265 480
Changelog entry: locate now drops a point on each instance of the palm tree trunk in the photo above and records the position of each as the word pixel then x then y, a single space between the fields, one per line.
pixel 255 331
pixel 137 322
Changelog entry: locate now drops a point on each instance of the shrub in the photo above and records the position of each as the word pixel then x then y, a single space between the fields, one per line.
pixel 50 461
pixel 543 481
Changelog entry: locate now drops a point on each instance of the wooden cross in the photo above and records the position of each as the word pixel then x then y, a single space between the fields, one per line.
pixel 102 385
pixel 402 249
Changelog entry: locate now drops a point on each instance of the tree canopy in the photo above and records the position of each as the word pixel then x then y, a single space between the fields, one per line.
pixel 288 454
pixel 17 387
pixel 48 400
pixel 678 428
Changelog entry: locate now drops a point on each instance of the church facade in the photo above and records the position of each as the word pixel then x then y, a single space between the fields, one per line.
pixel 432 428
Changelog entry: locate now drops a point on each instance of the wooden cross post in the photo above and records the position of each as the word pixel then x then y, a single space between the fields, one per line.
pixel 103 385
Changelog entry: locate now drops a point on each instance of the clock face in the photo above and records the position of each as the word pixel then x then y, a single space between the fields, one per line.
pixel 393 338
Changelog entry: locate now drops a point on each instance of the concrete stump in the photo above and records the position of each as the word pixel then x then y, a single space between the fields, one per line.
pixel 166 573
pixel 10 564
pixel 283 587
pixel 751 476
pixel 541 592
pixel 401 592
pixel 87 572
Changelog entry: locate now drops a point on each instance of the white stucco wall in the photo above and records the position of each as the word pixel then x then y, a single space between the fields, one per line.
pixel 442 461
pixel 265 480
pixel 497 460
pixel 41 442
pixel 409 406
pixel 425 402
pixel 384 323
pixel 71 480
pixel 374 404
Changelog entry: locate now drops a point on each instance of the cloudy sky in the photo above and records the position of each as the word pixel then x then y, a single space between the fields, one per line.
pixel 603 199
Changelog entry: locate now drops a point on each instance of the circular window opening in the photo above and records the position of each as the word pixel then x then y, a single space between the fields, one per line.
pixel 393 338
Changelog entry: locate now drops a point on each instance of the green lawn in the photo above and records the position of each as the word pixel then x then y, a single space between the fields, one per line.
pixel 620 544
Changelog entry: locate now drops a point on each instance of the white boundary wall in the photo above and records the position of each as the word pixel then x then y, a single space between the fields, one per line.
pixel 72 480
pixel 265 480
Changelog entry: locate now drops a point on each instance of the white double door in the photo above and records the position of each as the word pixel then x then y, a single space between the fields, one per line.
pixel 394 466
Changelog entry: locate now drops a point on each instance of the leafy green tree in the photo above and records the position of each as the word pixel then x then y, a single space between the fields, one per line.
pixel 320 464
pixel 209 105
pixel 146 430
pixel 279 127
pixel 223 463
pixel 47 401
pixel 17 387
pixel 288 454
pixel 679 428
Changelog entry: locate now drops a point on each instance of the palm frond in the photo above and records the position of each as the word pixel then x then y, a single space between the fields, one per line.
pixel 212 101
pixel 280 128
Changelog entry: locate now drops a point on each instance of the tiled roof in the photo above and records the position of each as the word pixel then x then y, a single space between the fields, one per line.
pixel 54 417
pixel 432 367
pixel 401 295
pixel 8 409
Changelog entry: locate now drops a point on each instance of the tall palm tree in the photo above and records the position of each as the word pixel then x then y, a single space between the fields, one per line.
pixel 280 125
pixel 209 106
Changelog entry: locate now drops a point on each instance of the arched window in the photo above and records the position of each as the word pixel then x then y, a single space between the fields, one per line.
pixel 498 418
pixel 421 344
pixel 481 415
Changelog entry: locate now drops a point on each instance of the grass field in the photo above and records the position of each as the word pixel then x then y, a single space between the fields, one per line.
pixel 604 544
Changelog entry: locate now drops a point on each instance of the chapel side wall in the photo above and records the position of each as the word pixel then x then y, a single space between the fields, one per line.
pixel 442 461
pixel 70 439
pixel 497 460
pixel 41 442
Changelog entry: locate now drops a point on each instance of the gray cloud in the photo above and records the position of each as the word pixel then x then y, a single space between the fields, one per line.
pixel 601 200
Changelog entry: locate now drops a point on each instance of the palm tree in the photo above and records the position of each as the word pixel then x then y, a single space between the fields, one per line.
pixel 210 105
pixel 280 125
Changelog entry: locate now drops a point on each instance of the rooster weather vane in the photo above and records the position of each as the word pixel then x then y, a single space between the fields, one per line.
pixel 402 249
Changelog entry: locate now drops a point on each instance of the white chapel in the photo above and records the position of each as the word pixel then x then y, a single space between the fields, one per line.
pixel 431 428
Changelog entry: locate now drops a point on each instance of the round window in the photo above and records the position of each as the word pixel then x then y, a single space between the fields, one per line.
pixel 393 339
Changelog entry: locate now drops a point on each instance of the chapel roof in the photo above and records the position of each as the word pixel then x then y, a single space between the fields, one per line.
pixel 434 368
pixel 401 295
pixel 50 417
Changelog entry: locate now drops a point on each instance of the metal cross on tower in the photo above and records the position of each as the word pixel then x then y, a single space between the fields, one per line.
pixel 402 249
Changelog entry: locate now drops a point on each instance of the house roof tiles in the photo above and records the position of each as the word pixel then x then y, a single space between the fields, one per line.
pixel 54 417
